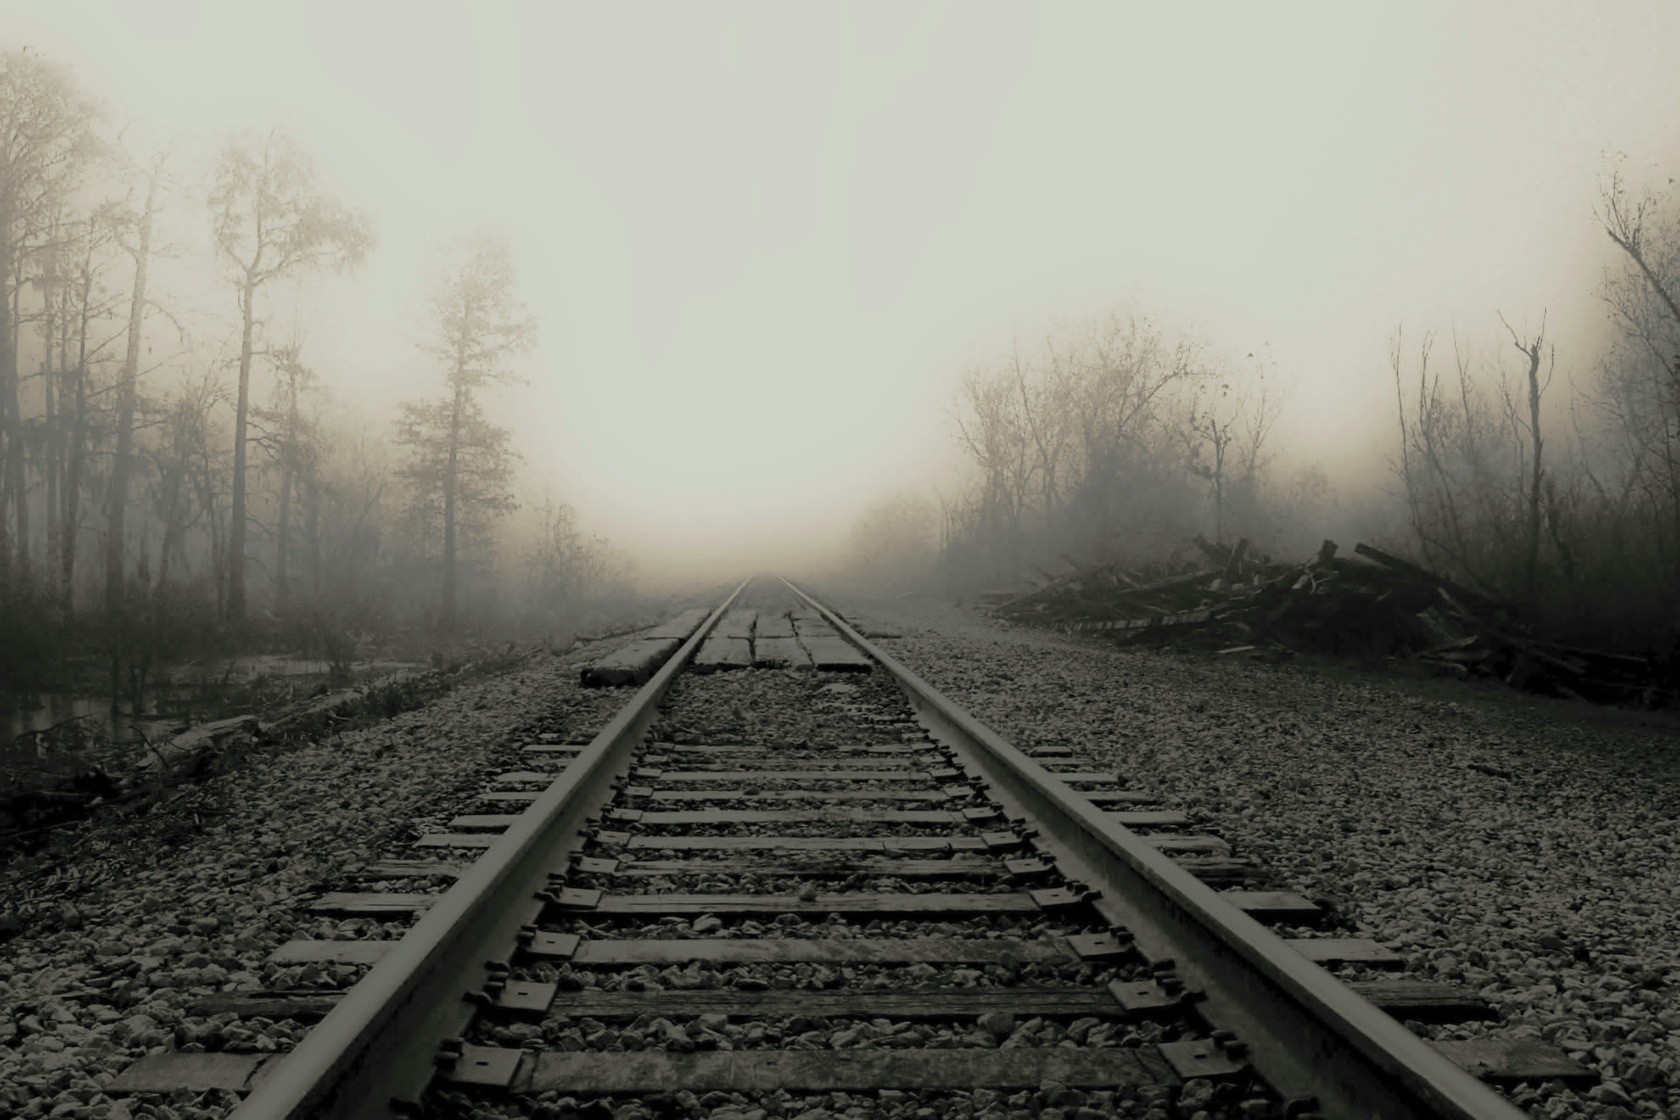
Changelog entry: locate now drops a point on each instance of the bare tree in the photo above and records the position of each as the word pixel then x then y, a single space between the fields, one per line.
pixel 293 450
pixel 462 463
pixel 1472 463
pixel 77 273
pixel 1534 351
pixel 116 498
pixel 45 137
pixel 1640 381
pixel 1231 421
pixel 270 221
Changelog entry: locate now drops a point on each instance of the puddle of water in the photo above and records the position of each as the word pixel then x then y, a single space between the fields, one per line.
pixel 53 708
pixel 193 693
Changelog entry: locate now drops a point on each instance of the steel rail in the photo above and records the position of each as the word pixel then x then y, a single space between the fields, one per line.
pixel 375 1053
pixel 1309 1035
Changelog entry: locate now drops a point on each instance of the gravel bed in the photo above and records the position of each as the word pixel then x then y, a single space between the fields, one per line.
pixel 189 898
pixel 993 1030
pixel 704 976
pixel 776 708
pixel 1524 848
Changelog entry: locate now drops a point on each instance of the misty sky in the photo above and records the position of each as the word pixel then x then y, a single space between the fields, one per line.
pixel 764 241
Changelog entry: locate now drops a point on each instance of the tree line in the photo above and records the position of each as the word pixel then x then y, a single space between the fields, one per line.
pixel 165 488
pixel 1568 506
pixel 1116 441
pixel 1119 441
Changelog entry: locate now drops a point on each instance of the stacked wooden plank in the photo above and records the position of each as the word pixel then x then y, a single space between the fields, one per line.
pixel 729 645
pixel 827 648
pixel 640 657
pixel 775 646
pixel 797 639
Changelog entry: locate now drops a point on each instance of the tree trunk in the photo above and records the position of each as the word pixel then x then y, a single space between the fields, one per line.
pixel 282 541
pixel 235 606
pixel 54 448
pixel 78 448
pixel 9 423
pixel 15 491
pixel 127 390
pixel 1532 574
pixel 312 534
pixel 449 489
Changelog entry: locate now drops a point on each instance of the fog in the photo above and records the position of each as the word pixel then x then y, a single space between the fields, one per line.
pixel 763 243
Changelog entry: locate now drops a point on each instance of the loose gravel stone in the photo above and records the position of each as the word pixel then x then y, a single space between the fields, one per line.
pixel 189 898
pixel 1555 892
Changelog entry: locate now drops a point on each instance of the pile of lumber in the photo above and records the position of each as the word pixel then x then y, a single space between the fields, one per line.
pixel 1374 605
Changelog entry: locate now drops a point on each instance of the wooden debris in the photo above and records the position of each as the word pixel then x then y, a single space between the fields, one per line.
pixel 1374 605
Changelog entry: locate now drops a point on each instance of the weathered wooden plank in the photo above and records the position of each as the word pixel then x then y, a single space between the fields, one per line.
pixel 456 840
pixel 807 775
pixel 631 663
pixel 776 760
pixel 737 622
pixel 839 902
pixel 164 1073
pixel 371 903
pixel 1150 818
pixel 779 652
pixel 922 1003
pixel 483 822
pixel 1119 797
pixel 737 748
pixel 952 868
pixel 1425 1000
pixel 1221 869
pixel 1274 906
pixel 525 777
pixel 679 627
pixel 782 816
pixel 889 950
pixel 840 1070
pixel 1210 845
pixel 835 654
pixel 718 652
pixel 797 795
pixel 330 952
pixel 1346 950
pixel 812 843
pixel 1504 1060
pixel 773 626
pixel 412 868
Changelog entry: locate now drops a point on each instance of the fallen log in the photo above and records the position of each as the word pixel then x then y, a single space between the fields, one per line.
pixel 187 750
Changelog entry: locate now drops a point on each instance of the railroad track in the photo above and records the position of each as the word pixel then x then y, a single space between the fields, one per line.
pixel 869 895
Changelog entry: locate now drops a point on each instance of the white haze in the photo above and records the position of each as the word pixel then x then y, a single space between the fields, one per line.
pixel 764 240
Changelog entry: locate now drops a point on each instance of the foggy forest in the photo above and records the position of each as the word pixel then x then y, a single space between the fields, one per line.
pixel 187 475
pixel 171 493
